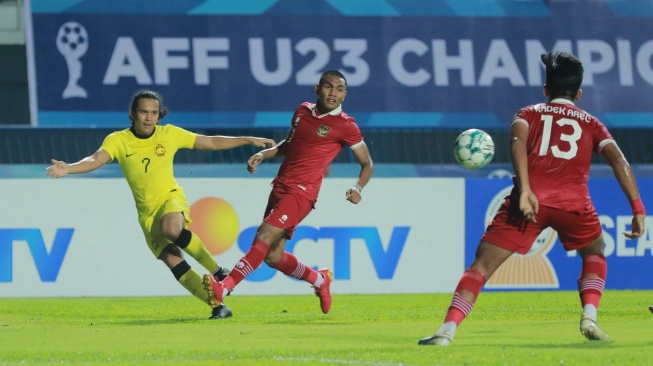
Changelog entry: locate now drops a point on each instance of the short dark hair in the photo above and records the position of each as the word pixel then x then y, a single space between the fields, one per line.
pixel 564 74
pixel 149 94
pixel 330 73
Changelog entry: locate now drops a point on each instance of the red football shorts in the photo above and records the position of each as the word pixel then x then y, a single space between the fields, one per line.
pixel 510 230
pixel 286 209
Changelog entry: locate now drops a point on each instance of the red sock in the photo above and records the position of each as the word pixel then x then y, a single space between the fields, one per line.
pixel 590 288
pixel 460 307
pixel 292 267
pixel 247 264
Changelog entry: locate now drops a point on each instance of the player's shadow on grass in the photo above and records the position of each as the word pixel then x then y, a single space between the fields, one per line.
pixel 586 345
pixel 280 322
pixel 148 322
pixel 582 343
pixel 304 322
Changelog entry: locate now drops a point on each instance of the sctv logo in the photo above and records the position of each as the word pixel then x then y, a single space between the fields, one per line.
pixel 215 221
pixel 47 263
pixel 384 260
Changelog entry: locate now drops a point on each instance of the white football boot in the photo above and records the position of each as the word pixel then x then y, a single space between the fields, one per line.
pixel 591 330
pixel 441 338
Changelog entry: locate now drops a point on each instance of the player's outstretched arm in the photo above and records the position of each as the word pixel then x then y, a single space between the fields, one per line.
pixel 60 169
pixel 626 178
pixel 229 142
pixel 362 155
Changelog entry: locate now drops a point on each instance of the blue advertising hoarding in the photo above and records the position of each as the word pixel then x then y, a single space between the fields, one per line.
pixel 408 63
pixel 548 265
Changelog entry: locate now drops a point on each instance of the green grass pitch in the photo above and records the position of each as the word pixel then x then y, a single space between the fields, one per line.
pixel 505 328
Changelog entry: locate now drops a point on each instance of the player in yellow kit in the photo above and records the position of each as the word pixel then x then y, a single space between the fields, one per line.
pixel 145 152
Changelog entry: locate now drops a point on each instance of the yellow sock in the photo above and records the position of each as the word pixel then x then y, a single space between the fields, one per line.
pixel 192 282
pixel 198 251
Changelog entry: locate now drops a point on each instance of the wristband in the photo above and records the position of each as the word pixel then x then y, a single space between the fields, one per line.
pixel 638 207
pixel 357 188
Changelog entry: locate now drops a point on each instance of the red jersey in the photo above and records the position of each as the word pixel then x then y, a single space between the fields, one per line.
pixel 313 141
pixel 561 140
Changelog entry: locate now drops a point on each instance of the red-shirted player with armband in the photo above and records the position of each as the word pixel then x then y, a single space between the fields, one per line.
pixel 318 132
pixel 551 148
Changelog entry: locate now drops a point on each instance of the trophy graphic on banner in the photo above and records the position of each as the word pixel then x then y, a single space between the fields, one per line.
pixel 72 42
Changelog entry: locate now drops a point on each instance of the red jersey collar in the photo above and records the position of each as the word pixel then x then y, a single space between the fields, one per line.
pixel 334 112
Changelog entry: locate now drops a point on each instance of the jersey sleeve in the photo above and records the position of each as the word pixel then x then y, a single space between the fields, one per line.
pixel 293 122
pixel 601 135
pixel 523 115
pixel 353 138
pixel 111 145
pixel 184 138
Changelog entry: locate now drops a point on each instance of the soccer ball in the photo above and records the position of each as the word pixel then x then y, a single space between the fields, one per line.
pixel 474 149
pixel 72 39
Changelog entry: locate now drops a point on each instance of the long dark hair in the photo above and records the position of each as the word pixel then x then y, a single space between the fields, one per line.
pixel 149 94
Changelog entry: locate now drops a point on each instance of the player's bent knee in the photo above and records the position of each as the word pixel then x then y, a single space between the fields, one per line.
pixel 271 261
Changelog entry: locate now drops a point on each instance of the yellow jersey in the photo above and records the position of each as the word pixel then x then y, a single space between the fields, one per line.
pixel 147 163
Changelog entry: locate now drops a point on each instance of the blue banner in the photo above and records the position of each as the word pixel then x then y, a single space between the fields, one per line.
pixel 449 64
pixel 548 265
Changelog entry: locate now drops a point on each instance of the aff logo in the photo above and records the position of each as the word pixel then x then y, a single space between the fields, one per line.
pixel 47 263
pixel 385 261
